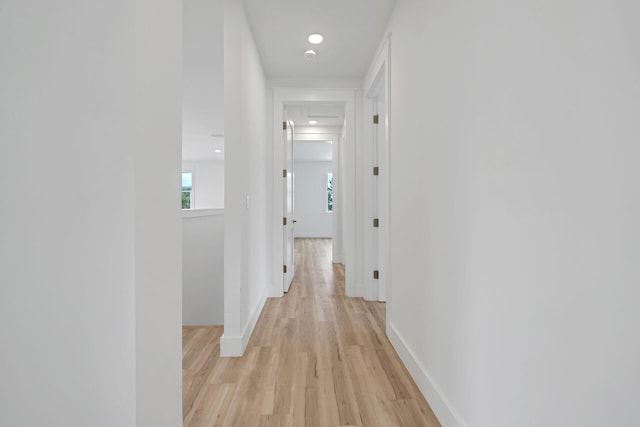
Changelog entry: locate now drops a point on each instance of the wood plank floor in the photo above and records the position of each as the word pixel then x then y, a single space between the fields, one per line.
pixel 316 358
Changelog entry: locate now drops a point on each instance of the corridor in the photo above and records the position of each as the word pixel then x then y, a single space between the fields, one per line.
pixel 316 358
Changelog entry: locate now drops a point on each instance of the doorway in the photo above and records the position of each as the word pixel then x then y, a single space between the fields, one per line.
pixel 343 173
pixel 311 203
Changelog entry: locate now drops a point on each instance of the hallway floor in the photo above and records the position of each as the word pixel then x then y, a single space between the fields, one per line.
pixel 316 358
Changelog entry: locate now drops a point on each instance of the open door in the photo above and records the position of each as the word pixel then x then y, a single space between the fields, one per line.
pixel 379 207
pixel 288 218
pixel 381 197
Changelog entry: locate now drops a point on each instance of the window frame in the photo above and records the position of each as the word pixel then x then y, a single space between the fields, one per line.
pixel 328 177
pixel 192 200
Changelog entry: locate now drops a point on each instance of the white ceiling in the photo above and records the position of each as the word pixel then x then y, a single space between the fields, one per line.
pixel 312 141
pixel 325 114
pixel 352 31
pixel 280 29
pixel 206 150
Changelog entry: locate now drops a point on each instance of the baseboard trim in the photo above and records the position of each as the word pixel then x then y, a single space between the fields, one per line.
pixel 234 346
pixel 441 406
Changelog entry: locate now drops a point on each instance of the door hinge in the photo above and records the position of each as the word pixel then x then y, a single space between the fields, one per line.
pixel 376 171
pixel 284 220
pixel 375 119
pixel 284 173
pixel 376 274
pixel 376 222
pixel 284 125
pixel 284 268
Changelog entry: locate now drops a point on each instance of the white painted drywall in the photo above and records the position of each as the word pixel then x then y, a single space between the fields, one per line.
pixel 315 82
pixel 203 267
pixel 90 243
pixel 158 246
pixel 208 183
pixel 310 199
pixel 248 192
pixel 202 78
pixel 339 217
pixel 515 201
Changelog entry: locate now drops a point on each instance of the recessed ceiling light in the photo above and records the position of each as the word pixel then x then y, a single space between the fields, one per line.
pixel 218 151
pixel 313 122
pixel 315 38
pixel 310 55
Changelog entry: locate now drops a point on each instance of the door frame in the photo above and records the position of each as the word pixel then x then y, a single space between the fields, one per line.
pixel 288 217
pixel 329 134
pixel 378 82
pixel 346 157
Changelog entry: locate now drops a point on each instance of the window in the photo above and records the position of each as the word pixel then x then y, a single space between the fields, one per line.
pixel 187 190
pixel 329 191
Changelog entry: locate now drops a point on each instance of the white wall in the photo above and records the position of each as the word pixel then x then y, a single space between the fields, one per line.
pixel 310 198
pixel 203 267
pixel 157 213
pixel 247 189
pixel 514 209
pixel 90 243
pixel 339 197
pixel 208 183
pixel 202 76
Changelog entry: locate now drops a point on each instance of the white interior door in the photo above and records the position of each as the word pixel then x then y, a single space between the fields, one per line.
pixel 377 195
pixel 379 237
pixel 381 199
pixel 288 218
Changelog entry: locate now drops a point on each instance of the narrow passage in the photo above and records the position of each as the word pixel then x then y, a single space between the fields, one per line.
pixel 316 358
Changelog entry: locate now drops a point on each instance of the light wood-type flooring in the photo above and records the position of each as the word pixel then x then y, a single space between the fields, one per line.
pixel 316 358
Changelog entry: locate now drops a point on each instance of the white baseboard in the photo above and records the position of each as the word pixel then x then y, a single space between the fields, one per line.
pixel 231 346
pixel 234 346
pixel 441 406
pixel 354 290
